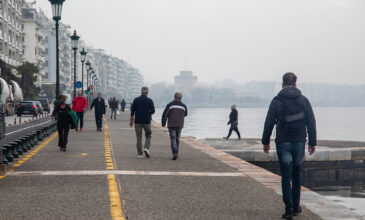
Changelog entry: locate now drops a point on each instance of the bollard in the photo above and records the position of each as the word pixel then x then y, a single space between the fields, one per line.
pixel 23 144
pixel 20 119
pixel 9 157
pixel 3 158
pixel 14 121
pixel 13 149
pixel 26 143
pixel 19 146
pixel 34 137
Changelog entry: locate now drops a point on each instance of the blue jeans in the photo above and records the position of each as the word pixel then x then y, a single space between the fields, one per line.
pixel 80 115
pixel 114 113
pixel 175 140
pixel 290 156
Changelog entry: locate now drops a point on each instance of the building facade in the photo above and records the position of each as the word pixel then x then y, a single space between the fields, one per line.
pixel 34 47
pixel 11 32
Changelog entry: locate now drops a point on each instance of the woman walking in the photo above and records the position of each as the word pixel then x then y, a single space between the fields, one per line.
pixel 233 121
pixel 64 119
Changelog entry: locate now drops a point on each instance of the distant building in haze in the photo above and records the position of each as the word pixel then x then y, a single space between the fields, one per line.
pixel 186 79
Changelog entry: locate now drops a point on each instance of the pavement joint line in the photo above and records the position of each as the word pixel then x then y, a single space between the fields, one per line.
pixel 125 172
pixel 116 210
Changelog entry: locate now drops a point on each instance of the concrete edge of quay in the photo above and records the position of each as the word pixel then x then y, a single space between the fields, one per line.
pixel 318 204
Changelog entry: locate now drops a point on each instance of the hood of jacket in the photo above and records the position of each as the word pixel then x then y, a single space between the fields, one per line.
pixel 290 93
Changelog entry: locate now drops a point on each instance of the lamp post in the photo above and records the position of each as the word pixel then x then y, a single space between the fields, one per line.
pixel 83 54
pixel 75 45
pixel 88 67
pixel 94 76
pixel 57 11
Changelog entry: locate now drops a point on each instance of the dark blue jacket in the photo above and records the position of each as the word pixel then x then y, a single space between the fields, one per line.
pixel 142 108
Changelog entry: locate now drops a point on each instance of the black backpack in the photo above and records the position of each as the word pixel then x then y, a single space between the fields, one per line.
pixel 292 115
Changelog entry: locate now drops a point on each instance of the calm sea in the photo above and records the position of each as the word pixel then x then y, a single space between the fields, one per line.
pixel 333 123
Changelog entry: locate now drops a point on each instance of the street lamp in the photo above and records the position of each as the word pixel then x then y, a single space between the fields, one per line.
pixel 83 54
pixel 75 45
pixel 57 11
pixel 88 68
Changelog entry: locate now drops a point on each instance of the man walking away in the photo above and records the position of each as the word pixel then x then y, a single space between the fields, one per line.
pixel 122 105
pixel 293 116
pixel 79 106
pixel 114 107
pixel 99 105
pixel 141 110
pixel 174 113
pixel 233 121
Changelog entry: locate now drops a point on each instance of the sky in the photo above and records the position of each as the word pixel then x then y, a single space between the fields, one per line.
pixel 243 40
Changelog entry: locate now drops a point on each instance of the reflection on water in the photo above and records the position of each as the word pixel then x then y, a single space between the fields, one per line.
pixel 345 189
pixel 333 123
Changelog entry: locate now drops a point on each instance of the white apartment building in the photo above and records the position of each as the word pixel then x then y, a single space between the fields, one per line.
pixel 134 83
pixel 34 50
pixel 65 51
pixel 11 33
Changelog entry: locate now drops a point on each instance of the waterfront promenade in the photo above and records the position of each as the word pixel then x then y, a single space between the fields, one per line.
pixel 100 177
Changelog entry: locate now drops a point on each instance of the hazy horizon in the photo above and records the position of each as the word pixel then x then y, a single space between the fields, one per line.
pixel 253 40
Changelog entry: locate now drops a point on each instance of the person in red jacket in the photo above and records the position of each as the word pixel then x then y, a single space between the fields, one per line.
pixel 79 105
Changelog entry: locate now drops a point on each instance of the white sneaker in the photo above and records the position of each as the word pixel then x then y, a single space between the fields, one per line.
pixel 147 153
pixel 139 156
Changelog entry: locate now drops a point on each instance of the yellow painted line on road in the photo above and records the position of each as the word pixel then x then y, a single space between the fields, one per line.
pixel 30 155
pixel 114 197
pixel 84 154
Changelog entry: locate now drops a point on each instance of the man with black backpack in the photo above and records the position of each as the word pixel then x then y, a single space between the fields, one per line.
pixel 293 116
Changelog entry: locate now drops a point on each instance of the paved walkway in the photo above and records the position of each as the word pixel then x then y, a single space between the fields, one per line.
pixel 100 173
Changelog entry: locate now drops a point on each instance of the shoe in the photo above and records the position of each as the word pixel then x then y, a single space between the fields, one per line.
pixel 174 157
pixel 139 156
pixel 287 215
pixel 297 211
pixel 76 129
pixel 147 153
pixel 64 149
pixel 80 129
pixel 225 138
pixel 61 149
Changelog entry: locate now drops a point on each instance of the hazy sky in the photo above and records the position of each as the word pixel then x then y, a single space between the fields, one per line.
pixel 320 40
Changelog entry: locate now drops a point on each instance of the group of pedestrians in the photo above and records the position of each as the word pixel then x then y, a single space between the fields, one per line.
pixel 142 110
pixel 290 112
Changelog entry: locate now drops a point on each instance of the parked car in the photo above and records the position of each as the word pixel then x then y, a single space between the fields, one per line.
pixel 45 104
pixel 27 108
pixel 39 107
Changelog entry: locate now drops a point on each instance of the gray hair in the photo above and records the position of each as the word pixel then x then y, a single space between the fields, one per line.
pixel 144 90
pixel 233 106
pixel 178 96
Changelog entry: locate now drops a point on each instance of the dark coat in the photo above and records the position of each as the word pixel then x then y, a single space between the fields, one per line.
pixel 175 112
pixel 99 106
pixel 233 117
pixel 142 108
pixel 275 112
pixel 63 118
pixel 113 104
